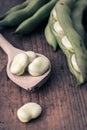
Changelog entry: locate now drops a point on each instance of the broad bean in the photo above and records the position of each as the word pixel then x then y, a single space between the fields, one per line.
pixel 39 66
pixel 31 55
pixel 19 64
pixel 28 112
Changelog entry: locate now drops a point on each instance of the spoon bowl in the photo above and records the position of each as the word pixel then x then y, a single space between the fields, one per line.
pixel 25 81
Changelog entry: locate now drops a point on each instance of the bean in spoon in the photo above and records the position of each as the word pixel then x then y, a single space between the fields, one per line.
pixel 27 82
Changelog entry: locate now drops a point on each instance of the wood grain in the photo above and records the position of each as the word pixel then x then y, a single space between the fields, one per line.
pixel 64 103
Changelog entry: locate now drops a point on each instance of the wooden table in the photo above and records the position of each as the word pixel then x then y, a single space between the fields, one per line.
pixel 64 103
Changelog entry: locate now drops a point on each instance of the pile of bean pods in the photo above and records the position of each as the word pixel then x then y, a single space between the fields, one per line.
pixel 65 29
pixel 27 16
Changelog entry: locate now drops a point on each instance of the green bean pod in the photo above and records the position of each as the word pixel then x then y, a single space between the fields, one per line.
pixel 37 19
pixel 50 38
pixel 77 14
pixel 15 18
pixel 69 40
pixel 15 8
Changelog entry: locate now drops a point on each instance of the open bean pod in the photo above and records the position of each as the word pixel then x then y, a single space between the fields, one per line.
pixel 68 39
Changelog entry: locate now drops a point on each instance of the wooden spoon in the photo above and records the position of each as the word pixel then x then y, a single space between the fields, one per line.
pixel 27 82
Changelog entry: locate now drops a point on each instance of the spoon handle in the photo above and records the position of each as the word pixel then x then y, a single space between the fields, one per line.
pixel 6 46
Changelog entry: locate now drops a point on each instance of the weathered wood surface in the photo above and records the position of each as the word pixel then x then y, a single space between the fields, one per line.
pixel 64 104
